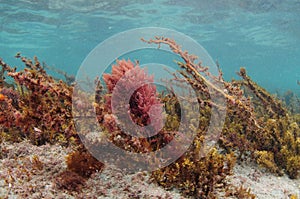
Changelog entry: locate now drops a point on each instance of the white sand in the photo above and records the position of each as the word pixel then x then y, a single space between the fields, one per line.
pixel 19 180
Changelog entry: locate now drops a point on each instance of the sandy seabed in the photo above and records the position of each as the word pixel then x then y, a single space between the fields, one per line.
pixel 20 178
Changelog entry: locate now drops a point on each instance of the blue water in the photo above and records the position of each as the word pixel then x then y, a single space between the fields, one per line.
pixel 262 35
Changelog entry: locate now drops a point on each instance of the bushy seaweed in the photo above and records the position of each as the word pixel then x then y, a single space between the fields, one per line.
pixel 39 109
pixel 258 125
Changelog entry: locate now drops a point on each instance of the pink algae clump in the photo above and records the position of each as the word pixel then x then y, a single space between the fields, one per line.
pixel 130 88
pixel 118 71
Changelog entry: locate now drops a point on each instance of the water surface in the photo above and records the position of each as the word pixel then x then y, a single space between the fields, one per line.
pixel 262 35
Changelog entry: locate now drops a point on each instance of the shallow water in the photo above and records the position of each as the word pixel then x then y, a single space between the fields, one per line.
pixel 263 36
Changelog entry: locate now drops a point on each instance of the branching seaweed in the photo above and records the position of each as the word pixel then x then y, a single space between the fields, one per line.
pixel 258 125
